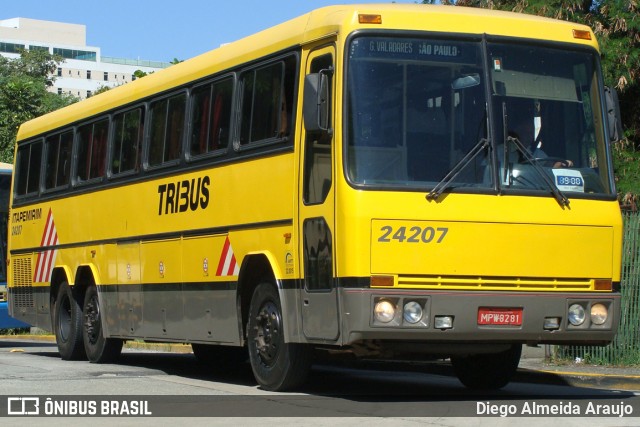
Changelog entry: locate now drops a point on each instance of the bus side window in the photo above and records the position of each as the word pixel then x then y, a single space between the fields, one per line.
pixel 211 117
pixel 28 168
pixel 167 125
pixel 127 141
pixel 92 144
pixel 58 160
pixel 267 102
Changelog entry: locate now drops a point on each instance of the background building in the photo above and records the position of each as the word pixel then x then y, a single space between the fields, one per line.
pixel 84 69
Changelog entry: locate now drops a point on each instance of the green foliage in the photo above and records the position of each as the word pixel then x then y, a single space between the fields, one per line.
pixel 15 331
pixel 138 74
pixel 101 89
pixel 23 94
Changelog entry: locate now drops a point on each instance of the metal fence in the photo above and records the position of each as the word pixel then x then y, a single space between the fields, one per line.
pixel 625 349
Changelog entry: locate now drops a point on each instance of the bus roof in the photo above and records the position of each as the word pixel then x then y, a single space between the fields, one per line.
pixel 318 24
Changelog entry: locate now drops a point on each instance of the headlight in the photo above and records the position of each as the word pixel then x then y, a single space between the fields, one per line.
pixel 384 311
pixel 412 312
pixel 599 314
pixel 576 315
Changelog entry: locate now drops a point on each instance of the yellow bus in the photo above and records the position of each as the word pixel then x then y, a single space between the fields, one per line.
pixel 394 181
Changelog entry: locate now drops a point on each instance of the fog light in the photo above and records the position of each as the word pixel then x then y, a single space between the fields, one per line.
pixel 599 314
pixel 443 322
pixel 576 314
pixel 384 311
pixel 551 323
pixel 412 312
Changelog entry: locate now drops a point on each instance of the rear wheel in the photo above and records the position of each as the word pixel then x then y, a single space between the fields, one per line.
pixel 276 365
pixel 487 371
pixel 67 319
pixel 98 348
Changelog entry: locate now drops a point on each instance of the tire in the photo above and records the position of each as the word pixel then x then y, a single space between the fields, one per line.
pixel 98 348
pixel 276 365
pixel 219 358
pixel 67 319
pixel 487 371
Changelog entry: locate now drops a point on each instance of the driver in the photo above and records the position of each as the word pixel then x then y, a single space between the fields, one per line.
pixel 527 131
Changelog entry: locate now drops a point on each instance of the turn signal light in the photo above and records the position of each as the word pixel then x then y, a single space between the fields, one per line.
pixel 602 285
pixel 386 281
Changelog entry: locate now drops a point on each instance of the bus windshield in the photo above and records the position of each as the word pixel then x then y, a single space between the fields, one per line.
pixel 418 108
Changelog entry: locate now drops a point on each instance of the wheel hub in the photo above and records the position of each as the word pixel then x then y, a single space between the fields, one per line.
pixel 268 329
pixel 92 319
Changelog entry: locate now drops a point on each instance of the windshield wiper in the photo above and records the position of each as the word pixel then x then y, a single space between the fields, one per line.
pixel 557 193
pixel 455 171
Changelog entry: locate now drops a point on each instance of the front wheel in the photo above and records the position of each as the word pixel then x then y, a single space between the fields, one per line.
pixel 489 371
pixel 67 320
pixel 98 348
pixel 276 365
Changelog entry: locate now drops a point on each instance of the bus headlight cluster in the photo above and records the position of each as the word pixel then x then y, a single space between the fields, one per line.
pixel 598 313
pixel 394 311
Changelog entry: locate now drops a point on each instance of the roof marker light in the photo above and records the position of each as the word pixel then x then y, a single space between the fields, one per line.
pixel 582 34
pixel 369 19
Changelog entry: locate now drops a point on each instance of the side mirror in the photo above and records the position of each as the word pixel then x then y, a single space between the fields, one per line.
pixel 316 102
pixel 614 120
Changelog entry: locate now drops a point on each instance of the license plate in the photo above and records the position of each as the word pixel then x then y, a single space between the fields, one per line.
pixel 499 316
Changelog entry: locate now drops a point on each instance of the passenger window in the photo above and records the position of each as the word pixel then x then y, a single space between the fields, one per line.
pixel 58 158
pixel 92 150
pixel 28 168
pixel 211 117
pixel 127 141
pixel 167 125
pixel 267 102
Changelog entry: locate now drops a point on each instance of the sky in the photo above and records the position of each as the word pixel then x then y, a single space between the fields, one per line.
pixel 161 30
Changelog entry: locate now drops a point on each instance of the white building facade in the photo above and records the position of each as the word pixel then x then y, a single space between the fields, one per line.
pixel 84 69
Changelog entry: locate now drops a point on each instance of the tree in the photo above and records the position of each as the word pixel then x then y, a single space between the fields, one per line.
pixel 23 94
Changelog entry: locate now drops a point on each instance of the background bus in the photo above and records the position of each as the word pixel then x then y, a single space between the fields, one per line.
pixel 389 180
pixel 6 321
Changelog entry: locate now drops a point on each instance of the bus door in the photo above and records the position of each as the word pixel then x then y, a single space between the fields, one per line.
pixel 316 219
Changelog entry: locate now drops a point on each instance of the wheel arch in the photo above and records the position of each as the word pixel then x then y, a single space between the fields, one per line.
pixel 86 275
pixel 256 268
pixel 59 275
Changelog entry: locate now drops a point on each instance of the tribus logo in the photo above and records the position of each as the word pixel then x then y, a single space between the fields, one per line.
pixel 181 196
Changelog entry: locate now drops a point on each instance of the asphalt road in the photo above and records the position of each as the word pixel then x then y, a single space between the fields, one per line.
pixel 174 384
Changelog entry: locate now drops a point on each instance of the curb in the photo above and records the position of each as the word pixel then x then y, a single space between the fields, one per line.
pixel 597 380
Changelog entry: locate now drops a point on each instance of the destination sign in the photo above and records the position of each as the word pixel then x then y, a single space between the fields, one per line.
pixel 416 49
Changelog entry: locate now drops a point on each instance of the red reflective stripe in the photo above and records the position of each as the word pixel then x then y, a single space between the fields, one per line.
pixel 223 257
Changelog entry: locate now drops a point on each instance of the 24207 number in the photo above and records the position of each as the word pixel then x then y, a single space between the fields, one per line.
pixel 413 234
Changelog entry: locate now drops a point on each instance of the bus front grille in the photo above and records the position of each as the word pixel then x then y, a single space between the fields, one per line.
pixel 496 283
